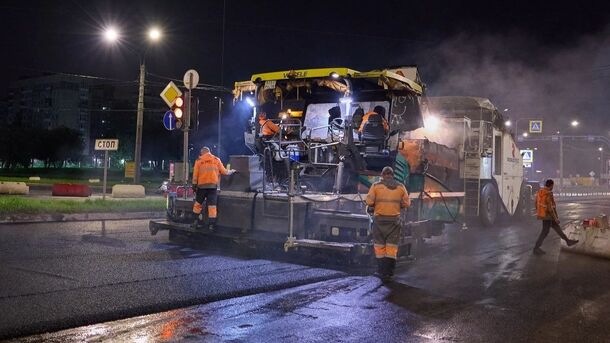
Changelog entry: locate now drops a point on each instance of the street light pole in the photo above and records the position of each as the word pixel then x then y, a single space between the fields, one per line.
pixel 139 123
pixel 560 163
pixel 219 124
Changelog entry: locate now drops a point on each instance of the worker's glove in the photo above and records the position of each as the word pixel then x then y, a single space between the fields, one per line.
pixel 194 188
pixel 370 210
pixel 231 171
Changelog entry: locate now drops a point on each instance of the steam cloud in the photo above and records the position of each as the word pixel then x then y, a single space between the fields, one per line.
pixel 514 71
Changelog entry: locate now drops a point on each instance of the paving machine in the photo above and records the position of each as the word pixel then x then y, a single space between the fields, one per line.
pixel 304 186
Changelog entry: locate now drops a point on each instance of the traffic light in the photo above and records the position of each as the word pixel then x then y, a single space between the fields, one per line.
pixel 178 109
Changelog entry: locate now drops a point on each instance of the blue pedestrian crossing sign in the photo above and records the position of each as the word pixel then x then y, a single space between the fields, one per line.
pixel 528 155
pixel 535 126
pixel 169 120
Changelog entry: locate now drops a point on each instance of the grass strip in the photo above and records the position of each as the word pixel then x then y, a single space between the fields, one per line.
pixel 24 205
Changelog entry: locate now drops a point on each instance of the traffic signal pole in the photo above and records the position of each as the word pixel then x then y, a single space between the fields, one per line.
pixel 187 125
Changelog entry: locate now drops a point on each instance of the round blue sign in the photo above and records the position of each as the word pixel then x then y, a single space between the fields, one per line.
pixel 169 120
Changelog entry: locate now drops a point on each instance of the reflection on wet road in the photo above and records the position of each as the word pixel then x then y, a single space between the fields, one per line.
pixel 479 285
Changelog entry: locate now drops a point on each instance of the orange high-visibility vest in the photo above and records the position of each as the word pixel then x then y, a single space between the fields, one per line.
pixel 545 204
pixel 386 127
pixel 388 202
pixel 207 170
pixel 268 128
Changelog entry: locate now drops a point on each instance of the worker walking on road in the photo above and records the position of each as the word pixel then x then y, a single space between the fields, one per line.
pixel 387 197
pixel 205 184
pixel 546 210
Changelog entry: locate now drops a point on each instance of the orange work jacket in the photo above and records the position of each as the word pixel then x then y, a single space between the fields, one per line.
pixel 545 205
pixel 268 128
pixel 207 170
pixel 386 127
pixel 388 200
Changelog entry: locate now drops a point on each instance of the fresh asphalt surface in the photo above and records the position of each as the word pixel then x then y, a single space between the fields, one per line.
pixel 479 285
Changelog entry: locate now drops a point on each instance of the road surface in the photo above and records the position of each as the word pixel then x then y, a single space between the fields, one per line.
pixel 479 285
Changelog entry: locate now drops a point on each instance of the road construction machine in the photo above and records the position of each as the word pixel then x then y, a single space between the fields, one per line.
pixel 304 185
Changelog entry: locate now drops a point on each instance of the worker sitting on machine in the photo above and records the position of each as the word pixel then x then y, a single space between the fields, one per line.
pixel 268 129
pixel 374 126
pixel 205 184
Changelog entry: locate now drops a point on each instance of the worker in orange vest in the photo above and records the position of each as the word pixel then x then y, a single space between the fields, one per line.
pixel 205 185
pixel 268 128
pixel 378 110
pixel 546 210
pixel 387 197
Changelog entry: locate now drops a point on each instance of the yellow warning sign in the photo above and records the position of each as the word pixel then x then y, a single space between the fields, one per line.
pixel 170 93
pixel 130 169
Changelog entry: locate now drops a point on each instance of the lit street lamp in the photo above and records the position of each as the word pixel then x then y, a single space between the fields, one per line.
pixel 154 35
pixel 574 123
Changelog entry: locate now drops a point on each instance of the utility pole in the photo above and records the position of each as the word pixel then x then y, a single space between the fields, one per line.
pixel 139 120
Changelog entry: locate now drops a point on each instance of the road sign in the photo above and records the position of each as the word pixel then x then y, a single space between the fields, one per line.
pixel 130 169
pixel 535 126
pixel 169 120
pixel 170 93
pixel 106 144
pixel 528 155
pixel 193 75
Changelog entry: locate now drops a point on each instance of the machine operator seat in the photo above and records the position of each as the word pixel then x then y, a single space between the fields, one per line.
pixel 373 130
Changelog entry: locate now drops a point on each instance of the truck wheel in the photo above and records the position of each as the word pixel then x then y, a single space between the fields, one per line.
pixel 488 209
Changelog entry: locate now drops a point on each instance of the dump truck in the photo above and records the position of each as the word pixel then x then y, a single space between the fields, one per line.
pixel 304 187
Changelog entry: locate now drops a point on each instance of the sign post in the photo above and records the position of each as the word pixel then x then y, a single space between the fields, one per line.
pixel 106 145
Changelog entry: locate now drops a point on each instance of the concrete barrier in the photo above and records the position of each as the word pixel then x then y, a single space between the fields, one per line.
pixel 18 188
pixel 34 178
pixel 70 190
pixel 128 191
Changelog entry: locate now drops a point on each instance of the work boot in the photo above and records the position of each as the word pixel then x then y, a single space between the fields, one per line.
pixel 195 224
pixel 571 242
pixel 538 251
pixel 390 265
pixel 211 227
pixel 380 268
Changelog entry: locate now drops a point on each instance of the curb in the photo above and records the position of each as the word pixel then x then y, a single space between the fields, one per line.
pixel 76 217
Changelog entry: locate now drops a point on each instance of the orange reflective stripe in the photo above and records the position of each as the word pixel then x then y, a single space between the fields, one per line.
pixel 391 251
pixel 380 250
pixel 197 208
pixel 212 211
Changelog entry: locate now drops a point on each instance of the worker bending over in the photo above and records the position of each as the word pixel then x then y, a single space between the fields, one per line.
pixel 387 197
pixel 205 185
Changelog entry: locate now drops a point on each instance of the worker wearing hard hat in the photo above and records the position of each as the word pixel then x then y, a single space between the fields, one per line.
pixel 268 128
pixel 377 111
pixel 546 210
pixel 387 197
pixel 205 184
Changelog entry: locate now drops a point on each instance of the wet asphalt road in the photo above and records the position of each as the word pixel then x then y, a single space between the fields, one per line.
pixel 479 285
pixel 61 275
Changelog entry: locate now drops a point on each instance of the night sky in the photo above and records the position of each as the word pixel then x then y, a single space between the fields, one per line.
pixel 541 59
